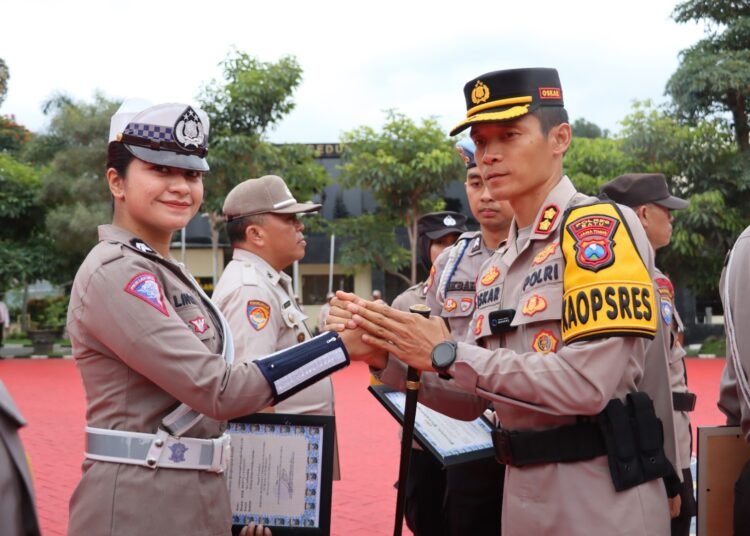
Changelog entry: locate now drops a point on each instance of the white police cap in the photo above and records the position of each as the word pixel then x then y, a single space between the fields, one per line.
pixel 170 134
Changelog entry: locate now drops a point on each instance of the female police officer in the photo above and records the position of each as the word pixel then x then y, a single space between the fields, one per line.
pixel 154 354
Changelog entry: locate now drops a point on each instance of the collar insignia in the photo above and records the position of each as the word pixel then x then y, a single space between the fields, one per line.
pixel 141 246
pixel 546 223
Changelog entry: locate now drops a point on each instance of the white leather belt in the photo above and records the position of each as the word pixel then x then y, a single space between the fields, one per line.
pixel 158 450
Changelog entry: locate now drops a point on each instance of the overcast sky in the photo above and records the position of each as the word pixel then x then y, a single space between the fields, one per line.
pixel 358 58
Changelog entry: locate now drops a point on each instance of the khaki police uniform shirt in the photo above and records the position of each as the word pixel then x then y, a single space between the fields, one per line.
pixel 259 306
pixel 677 371
pixel 731 402
pixel 452 284
pixel 144 341
pixel 17 509
pixel 536 382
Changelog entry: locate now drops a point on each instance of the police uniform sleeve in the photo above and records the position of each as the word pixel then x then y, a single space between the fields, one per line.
pixel 579 378
pixel 148 335
pixel 431 295
pixel 252 312
pixel 731 402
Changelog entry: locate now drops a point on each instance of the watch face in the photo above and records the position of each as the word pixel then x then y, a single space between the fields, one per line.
pixel 443 355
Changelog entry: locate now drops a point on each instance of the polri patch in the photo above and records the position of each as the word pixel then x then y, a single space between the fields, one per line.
pixel 534 305
pixel 547 221
pixel 450 305
pixel 146 287
pixel 490 275
pixel 258 313
pixel 594 244
pixel 199 324
pixel 545 342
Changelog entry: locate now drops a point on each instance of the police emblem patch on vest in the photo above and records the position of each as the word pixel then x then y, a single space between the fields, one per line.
pixel 604 294
pixel 258 313
pixel 146 287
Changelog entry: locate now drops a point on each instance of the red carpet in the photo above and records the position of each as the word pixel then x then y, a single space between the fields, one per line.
pixel 50 395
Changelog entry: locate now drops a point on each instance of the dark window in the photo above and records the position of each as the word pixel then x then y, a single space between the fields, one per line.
pixel 315 287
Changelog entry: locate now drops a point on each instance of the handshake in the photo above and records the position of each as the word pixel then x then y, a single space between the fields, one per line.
pixel 371 330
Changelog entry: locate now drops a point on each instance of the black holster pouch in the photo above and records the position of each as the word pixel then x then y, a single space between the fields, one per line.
pixel 634 438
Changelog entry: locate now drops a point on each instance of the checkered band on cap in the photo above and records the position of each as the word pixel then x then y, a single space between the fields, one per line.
pixel 152 132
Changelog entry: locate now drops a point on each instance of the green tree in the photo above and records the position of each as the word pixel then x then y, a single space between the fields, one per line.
pixel 590 162
pixel 586 129
pixel 701 164
pixel 714 74
pixel 73 185
pixel 4 77
pixel 405 165
pixel 252 97
pixel 25 249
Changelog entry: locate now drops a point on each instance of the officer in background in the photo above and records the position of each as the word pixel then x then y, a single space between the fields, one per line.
pixel 648 195
pixel 17 509
pixel 254 293
pixel 474 490
pixel 426 479
pixel 562 379
pixel 734 395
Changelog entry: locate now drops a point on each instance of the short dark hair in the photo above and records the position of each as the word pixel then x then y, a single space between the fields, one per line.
pixel 236 228
pixel 550 116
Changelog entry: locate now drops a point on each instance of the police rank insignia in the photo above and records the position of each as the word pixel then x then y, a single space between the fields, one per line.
pixel 140 245
pixel 544 342
pixel 258 313
pixel 594 244
pixel 466 304
pixel 478 325
pixel 490 276
pixel 146 287
pixel 543 255
pixel 199 324
pixel 547 221
pixel 178 452
pixel 450 305
pixel 534 305
pixel 188 130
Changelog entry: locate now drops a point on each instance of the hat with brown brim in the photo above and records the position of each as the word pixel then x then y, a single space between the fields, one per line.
pixel 268 194
pixel 506 95
pixel 636 189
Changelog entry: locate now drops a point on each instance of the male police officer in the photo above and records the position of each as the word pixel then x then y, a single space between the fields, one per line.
pixel 425 491
pixel 563 311
pixel 648 195
pixel 734 398
pixel 474 490
pixel 254 293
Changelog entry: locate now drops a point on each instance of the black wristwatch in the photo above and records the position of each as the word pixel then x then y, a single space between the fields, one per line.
pixel 443 356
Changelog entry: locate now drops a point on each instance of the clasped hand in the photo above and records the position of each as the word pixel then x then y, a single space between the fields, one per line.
pixel 371 330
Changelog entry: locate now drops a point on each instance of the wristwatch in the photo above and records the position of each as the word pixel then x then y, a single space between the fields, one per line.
pixel 443 356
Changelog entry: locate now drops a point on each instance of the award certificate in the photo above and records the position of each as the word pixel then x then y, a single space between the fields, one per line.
pixel 280 473
pixel 451 441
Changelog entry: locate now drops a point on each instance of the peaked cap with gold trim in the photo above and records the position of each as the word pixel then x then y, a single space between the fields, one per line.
pixel 509 94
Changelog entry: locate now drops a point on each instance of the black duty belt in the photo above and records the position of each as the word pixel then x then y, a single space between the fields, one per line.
pixel 572 443
pixel 683 401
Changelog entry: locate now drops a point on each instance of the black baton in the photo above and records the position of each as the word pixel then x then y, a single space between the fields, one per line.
pixel 410 412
